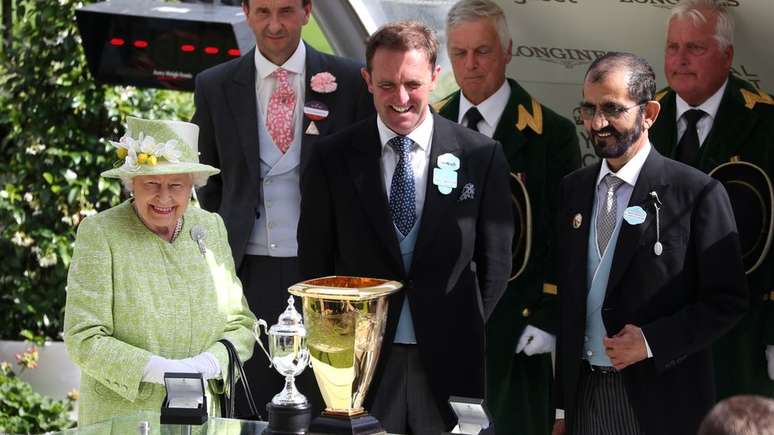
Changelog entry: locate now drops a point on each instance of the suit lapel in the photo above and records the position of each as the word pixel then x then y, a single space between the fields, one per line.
pixel 506 132
pixel 580 204
pixel 363 161
pixel 240 93
pixel 315 63
pixel 436 204
pixel 649 180
pixel 733 123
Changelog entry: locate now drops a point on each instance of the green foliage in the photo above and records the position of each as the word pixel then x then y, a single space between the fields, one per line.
pixel 53 121
pixel 22 411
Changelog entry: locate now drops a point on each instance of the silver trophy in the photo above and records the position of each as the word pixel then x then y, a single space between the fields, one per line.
pixel 287 353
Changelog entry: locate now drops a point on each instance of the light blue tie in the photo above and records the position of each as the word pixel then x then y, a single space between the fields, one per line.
pixel 402 194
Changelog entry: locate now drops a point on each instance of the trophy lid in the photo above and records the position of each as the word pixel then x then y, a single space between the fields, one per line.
pixel 289 322
pixel 349 288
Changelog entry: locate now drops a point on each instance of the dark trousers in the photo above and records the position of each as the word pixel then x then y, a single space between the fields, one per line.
pixel 603 405
pixel 404 402
pixel 265 281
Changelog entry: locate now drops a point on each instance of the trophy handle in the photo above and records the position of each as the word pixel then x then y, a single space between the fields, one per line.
pixel 257 334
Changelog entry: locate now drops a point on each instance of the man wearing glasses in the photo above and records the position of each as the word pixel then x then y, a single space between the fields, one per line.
pixel 710 117
pixel 641 295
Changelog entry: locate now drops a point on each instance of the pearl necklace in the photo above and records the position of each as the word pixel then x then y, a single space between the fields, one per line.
pixel 178 227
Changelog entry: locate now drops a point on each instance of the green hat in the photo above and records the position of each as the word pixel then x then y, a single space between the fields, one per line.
pixel 522 225
pixel 751 195
pixel 158 148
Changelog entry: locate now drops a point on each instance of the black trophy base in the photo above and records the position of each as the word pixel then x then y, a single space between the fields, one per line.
pixel 362 424
pixel 288 420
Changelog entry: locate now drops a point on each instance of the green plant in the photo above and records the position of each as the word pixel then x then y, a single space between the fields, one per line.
pixel 23 411
pixel 53 121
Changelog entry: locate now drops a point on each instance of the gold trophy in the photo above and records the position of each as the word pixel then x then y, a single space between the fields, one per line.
pixel 345 319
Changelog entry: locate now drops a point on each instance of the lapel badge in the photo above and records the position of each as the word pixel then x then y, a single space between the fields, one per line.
pixel 445 175
pixel 468 192
pixel 316 110
pixel 312 130
pixel 577 221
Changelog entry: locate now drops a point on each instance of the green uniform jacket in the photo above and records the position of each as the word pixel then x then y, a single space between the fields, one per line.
pixel 743 127
pixel 131 295
pixel 541 147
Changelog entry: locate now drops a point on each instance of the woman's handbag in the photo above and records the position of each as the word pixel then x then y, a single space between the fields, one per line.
pixel 227 400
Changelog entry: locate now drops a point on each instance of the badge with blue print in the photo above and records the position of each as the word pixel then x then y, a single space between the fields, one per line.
pixel 634 215
pixel 445 175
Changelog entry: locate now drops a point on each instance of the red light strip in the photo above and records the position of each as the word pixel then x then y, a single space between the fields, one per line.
pixel 211 50
pixel 233 52
pixel 187 48
pixel 117 42
pixel 141 43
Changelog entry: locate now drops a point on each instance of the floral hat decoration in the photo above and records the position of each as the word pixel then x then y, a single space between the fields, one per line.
pixel 158 148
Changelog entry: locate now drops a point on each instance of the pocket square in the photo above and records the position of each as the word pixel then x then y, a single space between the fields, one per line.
pixel 468 192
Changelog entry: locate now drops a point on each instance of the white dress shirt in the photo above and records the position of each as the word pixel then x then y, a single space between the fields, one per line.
pixel 491 109
pixel 420 157
pixel 704 125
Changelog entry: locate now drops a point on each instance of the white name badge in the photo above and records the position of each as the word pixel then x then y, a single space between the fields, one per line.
pixel 634 215
pixel 448 161
pixel 445 179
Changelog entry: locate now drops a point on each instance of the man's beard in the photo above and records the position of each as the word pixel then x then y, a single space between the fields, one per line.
pixel 623 140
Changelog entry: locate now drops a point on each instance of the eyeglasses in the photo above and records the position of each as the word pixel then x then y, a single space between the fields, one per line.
pixel 608 110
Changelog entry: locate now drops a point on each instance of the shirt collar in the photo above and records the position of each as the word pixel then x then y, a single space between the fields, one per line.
pixel 630 171
pixel 422 135
pixel 710 106
pixel 491 108
pixel 296 63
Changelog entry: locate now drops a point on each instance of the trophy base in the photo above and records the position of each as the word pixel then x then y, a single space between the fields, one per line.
pixel 362 424
pixel 288 419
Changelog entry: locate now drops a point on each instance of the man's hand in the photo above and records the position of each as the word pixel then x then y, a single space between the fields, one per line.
pixel 625 348
pixel 535 341
pixel 559 428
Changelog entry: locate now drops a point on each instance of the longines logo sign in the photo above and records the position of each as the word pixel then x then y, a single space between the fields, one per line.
pixel 667 4
pixel 568 57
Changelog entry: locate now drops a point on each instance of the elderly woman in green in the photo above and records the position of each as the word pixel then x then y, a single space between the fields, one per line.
pixel 152 288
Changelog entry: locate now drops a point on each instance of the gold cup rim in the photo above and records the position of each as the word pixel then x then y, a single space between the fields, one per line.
pixel 348 288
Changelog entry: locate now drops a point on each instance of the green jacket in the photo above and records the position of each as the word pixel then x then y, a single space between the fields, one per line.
pixel 131 295
pixel 743 128
pixel 541 148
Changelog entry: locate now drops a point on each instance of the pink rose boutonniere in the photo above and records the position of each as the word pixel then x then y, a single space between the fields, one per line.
pixel 323 83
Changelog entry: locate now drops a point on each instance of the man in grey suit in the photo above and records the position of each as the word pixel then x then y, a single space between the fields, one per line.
pixel 259 117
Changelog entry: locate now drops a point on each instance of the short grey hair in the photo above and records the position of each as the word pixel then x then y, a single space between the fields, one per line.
pixel 198 179
pixel 465 11
pixel 695 10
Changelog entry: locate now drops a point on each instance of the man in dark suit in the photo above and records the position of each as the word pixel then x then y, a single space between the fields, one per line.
pixel 541 148
pixel 411 196
pixel 735 121
pixel 650 271
pixel 259 118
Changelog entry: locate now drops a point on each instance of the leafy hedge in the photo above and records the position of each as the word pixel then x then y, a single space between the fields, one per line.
pixel 53 118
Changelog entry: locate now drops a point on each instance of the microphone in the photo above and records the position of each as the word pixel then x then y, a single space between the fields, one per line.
pixel 198 234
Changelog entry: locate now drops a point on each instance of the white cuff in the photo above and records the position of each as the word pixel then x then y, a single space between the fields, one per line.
pixel 647 346
pixel 560 414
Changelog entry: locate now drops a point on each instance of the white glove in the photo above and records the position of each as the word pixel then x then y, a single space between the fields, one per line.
pixel 534 341
pixel 770 360
pixel 204 363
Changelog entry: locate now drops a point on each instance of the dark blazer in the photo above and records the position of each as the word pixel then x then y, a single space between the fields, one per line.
pixel 542 147
pixel 227 116
pixel 683 299
pixel 743 128
pixel 462 255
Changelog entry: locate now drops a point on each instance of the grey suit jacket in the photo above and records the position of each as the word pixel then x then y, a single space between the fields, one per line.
pixel 227 116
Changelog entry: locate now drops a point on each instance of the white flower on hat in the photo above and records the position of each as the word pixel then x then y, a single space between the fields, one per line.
pixel 169 151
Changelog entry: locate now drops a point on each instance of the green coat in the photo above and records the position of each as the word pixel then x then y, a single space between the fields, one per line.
pixel 131 295
pixel 542 146
pixel 743 127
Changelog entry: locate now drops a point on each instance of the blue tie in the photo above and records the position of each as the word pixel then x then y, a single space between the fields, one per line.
pixel 402 203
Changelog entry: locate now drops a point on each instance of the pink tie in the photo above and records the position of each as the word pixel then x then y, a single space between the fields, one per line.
pixel 279 119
